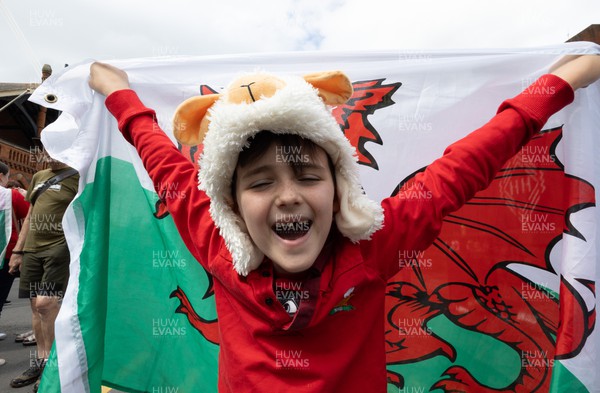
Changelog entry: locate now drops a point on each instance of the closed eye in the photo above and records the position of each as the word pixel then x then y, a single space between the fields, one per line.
pixel 259 184
pixel 309 178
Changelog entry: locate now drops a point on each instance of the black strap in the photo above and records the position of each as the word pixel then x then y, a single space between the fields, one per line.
pixel 50 182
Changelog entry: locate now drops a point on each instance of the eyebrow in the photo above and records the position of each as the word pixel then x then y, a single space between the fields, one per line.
pixel 270 167
pixel 258 169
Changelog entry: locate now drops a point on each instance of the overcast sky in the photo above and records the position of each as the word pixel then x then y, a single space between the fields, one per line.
pixel 35 32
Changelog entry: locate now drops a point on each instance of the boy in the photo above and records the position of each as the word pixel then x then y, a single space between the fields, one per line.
pixel 300 258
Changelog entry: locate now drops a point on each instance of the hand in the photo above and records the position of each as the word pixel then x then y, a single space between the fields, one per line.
pixel 578 71
pixel 106 79
pixel 14 265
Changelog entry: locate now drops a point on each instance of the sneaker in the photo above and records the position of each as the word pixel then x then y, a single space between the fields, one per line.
pixel 2 362
pixel 36 386
pixel 2 336
pixel 27 378
pixel 22 336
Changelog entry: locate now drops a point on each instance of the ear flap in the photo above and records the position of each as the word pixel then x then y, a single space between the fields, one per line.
pixel 334 86
pixel 190 122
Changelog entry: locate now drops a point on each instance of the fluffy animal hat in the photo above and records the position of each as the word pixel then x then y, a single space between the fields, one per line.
pixel 283 105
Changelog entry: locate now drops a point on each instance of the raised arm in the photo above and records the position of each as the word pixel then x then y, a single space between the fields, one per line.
pixel 174 177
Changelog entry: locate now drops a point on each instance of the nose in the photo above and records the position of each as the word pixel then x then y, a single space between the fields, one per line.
pixel 288 194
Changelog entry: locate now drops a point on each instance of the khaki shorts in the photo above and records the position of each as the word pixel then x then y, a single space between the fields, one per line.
pixel 45 273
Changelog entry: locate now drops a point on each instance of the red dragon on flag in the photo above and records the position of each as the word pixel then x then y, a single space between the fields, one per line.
pixel 471 275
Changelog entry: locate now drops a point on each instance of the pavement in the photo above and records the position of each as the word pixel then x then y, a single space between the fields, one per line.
pixel 15 319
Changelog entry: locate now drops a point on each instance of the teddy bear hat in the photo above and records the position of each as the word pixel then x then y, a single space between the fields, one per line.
pixel 282 105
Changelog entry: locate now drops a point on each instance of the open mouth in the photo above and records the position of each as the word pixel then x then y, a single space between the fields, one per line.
pixel 291 230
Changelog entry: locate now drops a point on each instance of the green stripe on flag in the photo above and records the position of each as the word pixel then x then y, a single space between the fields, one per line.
pixel 6 219
pixel 564 381
pixel 478 353
pixel 3 238
pixel 130 264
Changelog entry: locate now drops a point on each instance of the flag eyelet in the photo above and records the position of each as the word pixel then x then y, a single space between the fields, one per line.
pixel 50 98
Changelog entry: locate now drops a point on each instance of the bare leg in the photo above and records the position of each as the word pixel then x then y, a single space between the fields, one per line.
pixel 47 308
pixel 36 324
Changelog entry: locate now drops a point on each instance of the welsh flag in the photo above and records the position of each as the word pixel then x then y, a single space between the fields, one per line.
pixel 503 301
pixel 5 221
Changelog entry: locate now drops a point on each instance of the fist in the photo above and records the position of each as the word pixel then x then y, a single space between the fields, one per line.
pixel 106 79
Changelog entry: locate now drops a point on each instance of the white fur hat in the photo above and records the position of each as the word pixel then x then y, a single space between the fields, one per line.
pixel 287 105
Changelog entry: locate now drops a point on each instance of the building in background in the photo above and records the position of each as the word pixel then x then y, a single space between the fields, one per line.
pixel 592 34
pixel 21 123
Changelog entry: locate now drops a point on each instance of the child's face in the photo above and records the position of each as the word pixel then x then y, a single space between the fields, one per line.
pixel 287 211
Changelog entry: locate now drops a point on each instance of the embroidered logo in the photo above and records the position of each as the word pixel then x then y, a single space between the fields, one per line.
pixel 344 304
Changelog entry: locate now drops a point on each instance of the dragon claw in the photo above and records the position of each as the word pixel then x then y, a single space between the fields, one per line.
pixel 459 380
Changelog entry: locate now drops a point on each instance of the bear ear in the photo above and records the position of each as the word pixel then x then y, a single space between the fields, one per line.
pixel 334 86
pixel 190 122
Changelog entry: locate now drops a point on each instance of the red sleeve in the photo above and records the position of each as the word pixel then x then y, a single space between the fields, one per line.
pixel 20 207
pixel 19 204
pixel 413 218
pixel 175 178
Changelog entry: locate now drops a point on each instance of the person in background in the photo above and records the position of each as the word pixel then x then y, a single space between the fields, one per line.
pixel 19 183
pixel 42 256
pixel 19 210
